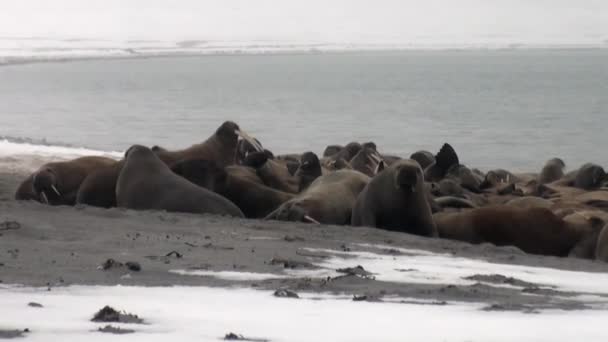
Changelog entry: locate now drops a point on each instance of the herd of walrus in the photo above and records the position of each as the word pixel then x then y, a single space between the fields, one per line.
pixel 433 195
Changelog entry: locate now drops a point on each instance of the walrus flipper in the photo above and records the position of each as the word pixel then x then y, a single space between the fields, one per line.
pixel 454 202
pixel 446 157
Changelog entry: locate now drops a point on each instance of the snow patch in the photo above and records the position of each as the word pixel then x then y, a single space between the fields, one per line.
pixel 207 314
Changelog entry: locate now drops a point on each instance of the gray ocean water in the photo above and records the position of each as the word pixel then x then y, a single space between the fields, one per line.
pixel 511 109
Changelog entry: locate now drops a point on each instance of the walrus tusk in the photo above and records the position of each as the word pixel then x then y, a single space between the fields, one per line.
pixel 376 157
pixel 56 191
pixel 310 219
pixel 377 169
pixel 250 140
pixel 45 200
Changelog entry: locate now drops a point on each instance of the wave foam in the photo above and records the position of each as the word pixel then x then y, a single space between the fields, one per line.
pixel 21 155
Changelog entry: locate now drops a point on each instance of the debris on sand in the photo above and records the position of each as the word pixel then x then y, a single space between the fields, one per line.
pixel 285 293
pixel 499 279
pixel 34 305
pixel 234 337
pixel 510 307
pixel 175 253
pixel 108 329
pixel 10 225
pixel 8 334
pixel 359 298
pixel 287 263
pixel 293 238
pixel 109 314
pixel 357 271
pixel 111 263
pixel 133 266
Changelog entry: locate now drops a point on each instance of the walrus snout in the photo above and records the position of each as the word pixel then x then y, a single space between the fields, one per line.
pixel 309 160
pixel 255 159
pixel 258 147
pixel 45 184
pixel 407 178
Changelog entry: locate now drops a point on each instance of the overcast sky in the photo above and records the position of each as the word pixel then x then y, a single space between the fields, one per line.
pixel 338 21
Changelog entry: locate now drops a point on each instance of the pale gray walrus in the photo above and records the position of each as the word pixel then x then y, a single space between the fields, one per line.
pixel 147 183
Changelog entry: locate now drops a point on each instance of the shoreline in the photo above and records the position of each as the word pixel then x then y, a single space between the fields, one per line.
pixel 132 54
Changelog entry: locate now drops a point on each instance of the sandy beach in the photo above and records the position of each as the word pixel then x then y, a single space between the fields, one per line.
pixel 45 246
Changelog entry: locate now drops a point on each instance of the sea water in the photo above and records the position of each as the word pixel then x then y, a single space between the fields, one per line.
pixel 499 108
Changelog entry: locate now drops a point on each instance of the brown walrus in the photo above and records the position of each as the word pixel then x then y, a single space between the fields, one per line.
pixel 329 199
pixel 236 183
pixel 308 170
pixel 396 199
pixel 57 183
pixel 533 230
pixel 274 173
pixel 147 183
pixel 601 249
pixel 98 189
pixel 445 159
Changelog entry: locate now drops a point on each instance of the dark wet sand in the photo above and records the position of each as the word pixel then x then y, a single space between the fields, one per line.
pixel 59 246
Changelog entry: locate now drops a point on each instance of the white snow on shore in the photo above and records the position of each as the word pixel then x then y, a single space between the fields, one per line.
pixel 33 30
pixel 208 314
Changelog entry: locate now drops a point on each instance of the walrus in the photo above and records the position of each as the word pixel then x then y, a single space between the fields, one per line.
pixel 274 173
pixel 57 183
pixel 157 149
pixel 99 188
pixel 395 199
pixel 329 199
pixel 601 249
pixel 552 171
pixel 335 164
pixel 221 147
pixel 147 183
pixel 348 152
pixel 465 177
pixel 367 161
pixel 444 160
pixel 309 170
pixel 498 178
pixel 244 147
pixel 590 224
pixel 530 202
pixel 331 150
pixel 236 184
pixel 589 176
pixel 424 158
pixel 533 230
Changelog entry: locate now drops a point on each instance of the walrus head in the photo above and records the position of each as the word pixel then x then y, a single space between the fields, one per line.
pixel 204 173
pixel 45 185
pixel 556 161
pixel 293 212
pixel 229 133
pixel 589 176
pixel 244 148
pixel 424 158
pixel 370 144
pixel 136 149
pixel 309 162
pixel 332 150
pixel 257 159
pixel 407 175
pixel 309 169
